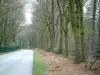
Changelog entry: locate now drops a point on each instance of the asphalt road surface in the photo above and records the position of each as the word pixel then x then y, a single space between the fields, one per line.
pixel 17 63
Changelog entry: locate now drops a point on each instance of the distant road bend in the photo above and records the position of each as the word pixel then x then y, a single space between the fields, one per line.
pixel 17 63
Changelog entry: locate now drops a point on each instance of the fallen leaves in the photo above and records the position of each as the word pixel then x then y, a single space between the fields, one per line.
pixel 59 65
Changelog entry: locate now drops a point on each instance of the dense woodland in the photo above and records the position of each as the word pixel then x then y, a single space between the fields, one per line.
pixel 67 27
pixel 9 22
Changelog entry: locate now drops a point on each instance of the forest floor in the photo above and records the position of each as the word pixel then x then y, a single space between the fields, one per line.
pixel 59 65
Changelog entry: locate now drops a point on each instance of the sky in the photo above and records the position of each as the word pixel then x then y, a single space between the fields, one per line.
pixel 28 10
pixel 86 4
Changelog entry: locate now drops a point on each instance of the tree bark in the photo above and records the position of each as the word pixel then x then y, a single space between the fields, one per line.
pixel 53 23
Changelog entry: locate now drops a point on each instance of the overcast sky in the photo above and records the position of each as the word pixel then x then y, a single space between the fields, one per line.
pixel 28 9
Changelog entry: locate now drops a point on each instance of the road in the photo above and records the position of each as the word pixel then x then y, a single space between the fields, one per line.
pixel 17 63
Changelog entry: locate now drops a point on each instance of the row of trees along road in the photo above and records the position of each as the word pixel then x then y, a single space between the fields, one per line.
pixel 68 27
pixel 9 23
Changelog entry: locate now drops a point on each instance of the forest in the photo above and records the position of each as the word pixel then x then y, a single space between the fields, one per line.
pixel 67 27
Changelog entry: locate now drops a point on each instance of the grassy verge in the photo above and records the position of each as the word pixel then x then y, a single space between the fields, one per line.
pixel 39 66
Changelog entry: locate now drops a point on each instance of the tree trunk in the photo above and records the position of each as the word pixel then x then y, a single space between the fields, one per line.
pixel 77 59
pixel 53 24
pixel 93 43
pixel 83 54
pixel 99 25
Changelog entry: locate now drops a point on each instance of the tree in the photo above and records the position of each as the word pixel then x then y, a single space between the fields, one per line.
pixel 93 25
pixel 8 21
pixel 53 23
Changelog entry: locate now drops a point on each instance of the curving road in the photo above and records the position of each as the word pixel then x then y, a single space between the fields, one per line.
pixel 17 63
